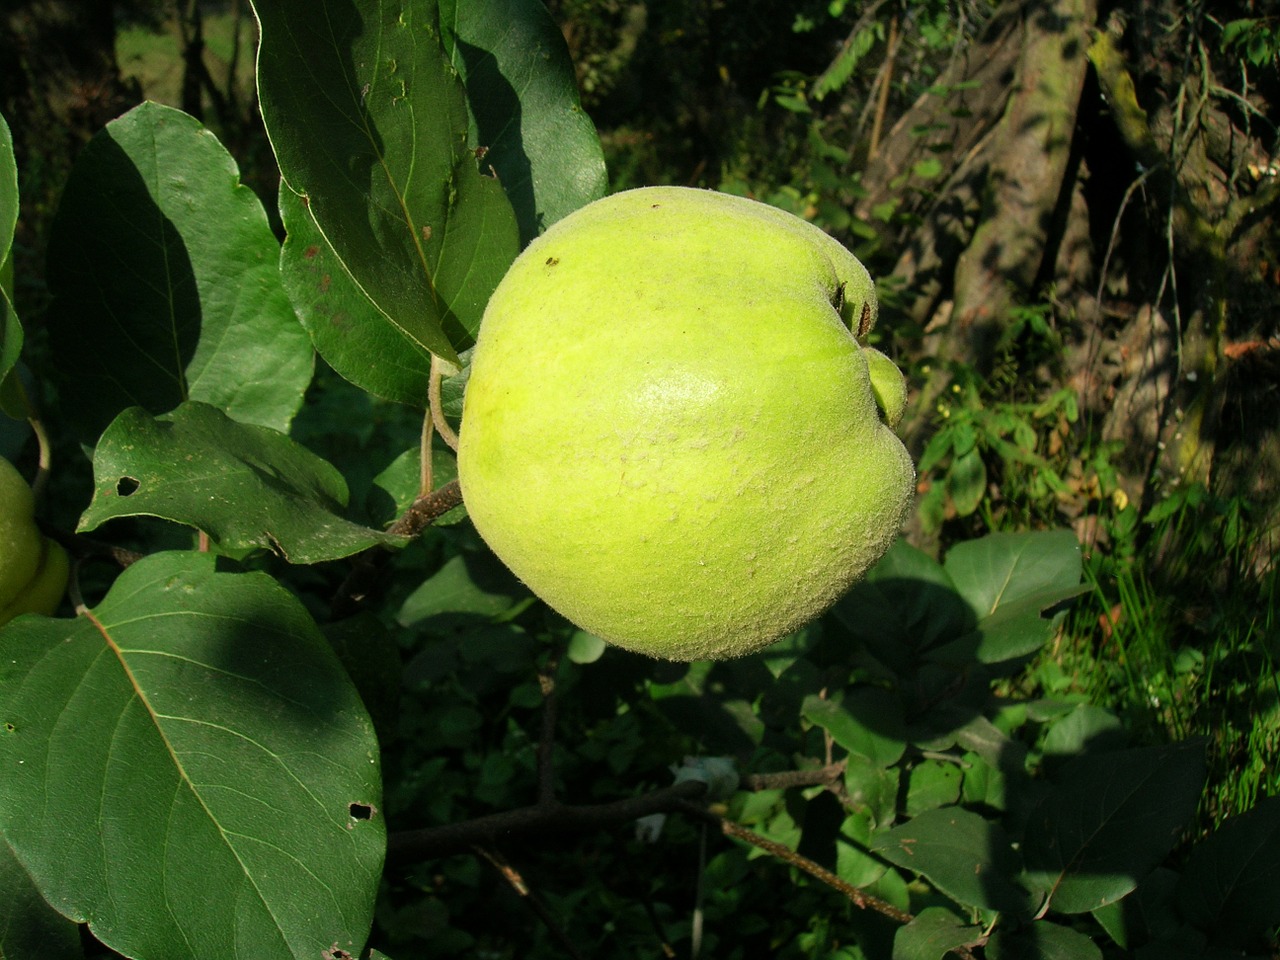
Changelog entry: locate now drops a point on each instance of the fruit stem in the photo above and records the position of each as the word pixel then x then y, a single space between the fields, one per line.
pixel 426 468
pixel 42 436
pixel 446 432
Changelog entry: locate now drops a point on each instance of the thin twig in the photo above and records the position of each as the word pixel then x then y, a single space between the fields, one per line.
pixel 427 509
pixel 410 846
pixel 535 902
pixel 815 777
pixel 857 897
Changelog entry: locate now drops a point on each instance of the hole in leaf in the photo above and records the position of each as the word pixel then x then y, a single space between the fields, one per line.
pixel 127 486
pixel 362 811
pixel 9 728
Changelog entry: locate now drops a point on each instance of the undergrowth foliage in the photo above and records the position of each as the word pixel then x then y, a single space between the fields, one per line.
pixel 300 711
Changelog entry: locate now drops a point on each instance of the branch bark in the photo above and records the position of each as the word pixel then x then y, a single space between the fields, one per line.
pixel 540 818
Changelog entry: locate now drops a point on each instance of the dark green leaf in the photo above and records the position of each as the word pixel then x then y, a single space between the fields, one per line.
pixel 402 481
pixel 867 722
pixel 523 95
pixel 1110 821
pixel 967 482
pixel 369 122
pixel 1086 727
pixel 932 784
pixel 166 281
pixel 472 583
pixel 872 789
pixel 8 190
pixel 1230 887
pixel 932 934
pixel 188 769
pixel 1017 628
pixel 368 651
pixel 853 864
pixel 1145 915
pixel 345 327
pixel 11 339
pixel 905 603
pixel 1041 941
pixel 10 328
pixel 964 855
pixel 30 929
pixel 245 486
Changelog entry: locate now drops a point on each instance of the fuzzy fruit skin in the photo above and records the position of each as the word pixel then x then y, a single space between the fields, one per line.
pixel 20 539
pixel 669 431
pixel 44 591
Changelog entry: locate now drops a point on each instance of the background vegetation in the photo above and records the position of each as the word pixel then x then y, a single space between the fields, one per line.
pixel 1070 207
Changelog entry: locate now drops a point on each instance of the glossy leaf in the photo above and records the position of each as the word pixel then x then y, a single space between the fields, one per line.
pixel 8 190
pixel 166 282
pixel 1110 821
pixel 1230 886
pixel 368 120
pixel 967 857
pixel 345 327
pixel 245 486
pixel 188 769
pixel 30 929
pixel 525 109
pixel 10 328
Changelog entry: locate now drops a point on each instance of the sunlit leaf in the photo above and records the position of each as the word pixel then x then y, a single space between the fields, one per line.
pixel 369 121
pixel 525 110
pixel 1002 568
pixel 346 329
pixel 189 770
pixel 967 857
pixel 10 328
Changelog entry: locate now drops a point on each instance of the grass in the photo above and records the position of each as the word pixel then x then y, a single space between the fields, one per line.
pixel 1179 637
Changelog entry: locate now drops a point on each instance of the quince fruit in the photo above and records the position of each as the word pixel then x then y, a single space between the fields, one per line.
pixel 33 568
pixel 674 431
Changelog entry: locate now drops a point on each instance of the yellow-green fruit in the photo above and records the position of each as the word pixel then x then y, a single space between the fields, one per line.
pixel 20 539
pixel 44 591
pixel 670 430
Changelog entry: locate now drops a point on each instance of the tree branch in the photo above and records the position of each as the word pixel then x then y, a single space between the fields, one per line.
pixel 535 902
pixel 815 777
pixel 366 567
pixel 413 845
